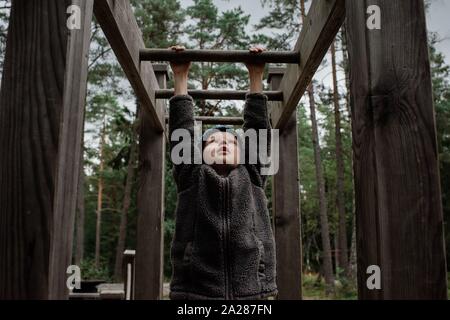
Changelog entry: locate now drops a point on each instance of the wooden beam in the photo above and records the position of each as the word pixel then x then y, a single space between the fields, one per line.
pixel 319 30
pixel 397 185
pixel 150 230
pixel 218 94
pixel 128 271
pixel 31 100
pixel 286 209
pixel 69 152
pixel 243 56
pixel 121 29
pixel 235 121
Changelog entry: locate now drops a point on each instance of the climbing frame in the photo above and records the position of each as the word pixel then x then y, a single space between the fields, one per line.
pixel 398 209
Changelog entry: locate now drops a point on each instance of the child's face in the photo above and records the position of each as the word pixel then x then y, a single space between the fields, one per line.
pixel 222 148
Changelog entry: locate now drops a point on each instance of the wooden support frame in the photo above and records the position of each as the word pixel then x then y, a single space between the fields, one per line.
pixel 121 29
pixel 218 94
pixel 234 121
pixel 397 187
pixel 69 152
pixel 219 56
pixel 286 207
pixel 398 205
pixel 320 28
pixel 150 229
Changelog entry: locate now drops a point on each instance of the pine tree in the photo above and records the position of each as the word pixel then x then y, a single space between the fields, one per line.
pixel 342 229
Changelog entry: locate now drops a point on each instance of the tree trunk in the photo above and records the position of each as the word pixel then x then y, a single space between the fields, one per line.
pixel 100 195
pixel 340 201
pixel 352 262
pixel 351 270
pixel 346 67
pixel 79 252
pixel 326 247
pixel 126 206
pixel 327 264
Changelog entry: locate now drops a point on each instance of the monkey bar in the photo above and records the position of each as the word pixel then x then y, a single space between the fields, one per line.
pixel 218 94
pixel 243 56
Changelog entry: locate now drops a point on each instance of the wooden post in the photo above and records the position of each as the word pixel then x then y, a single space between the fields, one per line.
pixel 397 189
pixel 31 104
pixel 128 271
pixel 69 152
pixel 150 233
pixel 286 207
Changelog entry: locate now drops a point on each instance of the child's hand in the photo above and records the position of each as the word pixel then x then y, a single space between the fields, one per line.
pixel 180 72
pixel 180 68
pixel 256 72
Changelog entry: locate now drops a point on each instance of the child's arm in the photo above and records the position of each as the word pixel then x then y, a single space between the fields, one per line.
pixel 181 116
pixel 256 117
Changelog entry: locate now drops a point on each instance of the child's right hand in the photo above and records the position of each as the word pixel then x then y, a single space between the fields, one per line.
pixel 180 68
pixel 180 73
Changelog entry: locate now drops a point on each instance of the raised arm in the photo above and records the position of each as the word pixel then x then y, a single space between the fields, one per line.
pixel 181 116
pixel 256 117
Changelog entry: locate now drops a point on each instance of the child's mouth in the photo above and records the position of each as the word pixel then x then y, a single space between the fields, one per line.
pixel 223 151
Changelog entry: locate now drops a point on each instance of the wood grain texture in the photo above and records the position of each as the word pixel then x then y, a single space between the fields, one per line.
pixel 398 196
pixel 69 152
pixel 150 230
pixel 218 94
pixel 324 19
pixel 119 24
pixel 243 56
pixel 286 210
pixel 31 102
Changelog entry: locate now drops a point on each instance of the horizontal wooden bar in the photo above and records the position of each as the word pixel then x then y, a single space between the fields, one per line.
pixel 218 94
pixel 319 30
pixel 233 121
pixel 220 56
pixel 119 24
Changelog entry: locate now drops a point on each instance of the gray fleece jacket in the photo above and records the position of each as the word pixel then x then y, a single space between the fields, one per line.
pixel 223 246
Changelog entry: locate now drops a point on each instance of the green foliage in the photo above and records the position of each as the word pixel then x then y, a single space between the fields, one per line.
pixel 284 17
pixel 160 21
pixel 314 288
pixel 210 29
pixel 90 272
pixel 4 17
pixel 441 90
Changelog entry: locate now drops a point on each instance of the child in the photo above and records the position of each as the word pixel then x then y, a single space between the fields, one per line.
pixel 223 246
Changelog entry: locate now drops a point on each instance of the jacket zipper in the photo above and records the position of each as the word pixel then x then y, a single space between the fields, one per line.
pixel 228 290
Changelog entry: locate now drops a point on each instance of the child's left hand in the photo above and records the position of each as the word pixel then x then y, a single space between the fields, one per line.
pixel 256 72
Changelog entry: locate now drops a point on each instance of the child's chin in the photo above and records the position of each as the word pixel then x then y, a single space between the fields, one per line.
pixel 225 165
